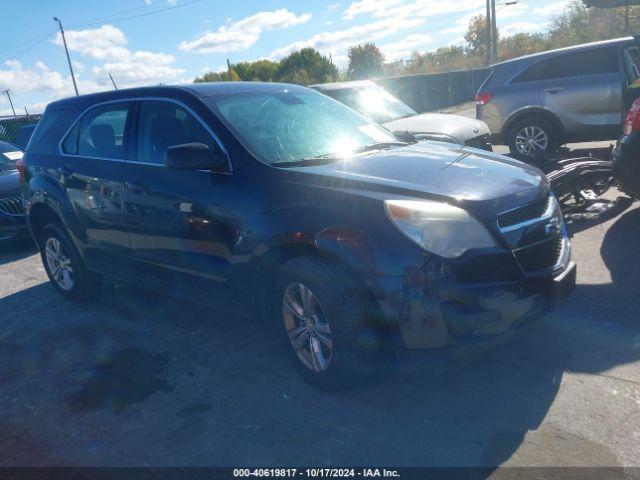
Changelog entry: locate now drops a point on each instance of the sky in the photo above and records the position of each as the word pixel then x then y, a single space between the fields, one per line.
pixel 146 42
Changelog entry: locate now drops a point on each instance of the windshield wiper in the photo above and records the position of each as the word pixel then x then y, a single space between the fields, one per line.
pixel 309 161
pixel 379 146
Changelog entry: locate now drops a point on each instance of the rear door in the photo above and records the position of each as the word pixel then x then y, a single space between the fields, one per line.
pixel 583 89
pixel 91 171
pixel 176 219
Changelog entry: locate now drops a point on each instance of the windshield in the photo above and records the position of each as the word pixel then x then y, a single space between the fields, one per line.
pixel 374 102
pixel 289 126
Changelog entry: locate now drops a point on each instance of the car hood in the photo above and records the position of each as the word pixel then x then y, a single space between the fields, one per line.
pixel 9 183
pixel 459 128
pixel 477 180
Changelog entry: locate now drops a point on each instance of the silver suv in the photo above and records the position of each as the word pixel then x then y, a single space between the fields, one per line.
pixel 539 102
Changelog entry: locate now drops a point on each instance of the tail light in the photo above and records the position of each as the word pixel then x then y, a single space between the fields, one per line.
pixel 632 122
pixel 20 167
pixel 483 98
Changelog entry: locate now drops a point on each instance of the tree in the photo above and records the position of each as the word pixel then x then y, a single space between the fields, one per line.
pixel 306 67
pixel 521 44
pixel 365 61
pixel 476 36
pixel 228 76
pixel 260 70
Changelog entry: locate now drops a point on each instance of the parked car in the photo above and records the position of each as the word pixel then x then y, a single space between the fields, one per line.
pixel 322 220
pixel 538 102
pixel 380 106
pixel 24 134
pixel 12 219
pixel 626 154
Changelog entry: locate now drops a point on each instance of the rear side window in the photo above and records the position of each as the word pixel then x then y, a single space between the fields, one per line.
pixel 577 64
pixel 100 133
pixel 165 124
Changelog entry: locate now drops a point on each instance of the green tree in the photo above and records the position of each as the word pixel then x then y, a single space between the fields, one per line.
pixel 228 76
pixel 521 44
pixel 476 36
pixel 260 70
pixel 306 67
pixel 365 61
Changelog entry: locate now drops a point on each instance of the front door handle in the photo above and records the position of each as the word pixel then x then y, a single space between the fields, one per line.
pixel 136 186
pixel 553 90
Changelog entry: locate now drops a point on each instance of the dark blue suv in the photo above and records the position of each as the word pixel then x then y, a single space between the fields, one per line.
pixel 347 237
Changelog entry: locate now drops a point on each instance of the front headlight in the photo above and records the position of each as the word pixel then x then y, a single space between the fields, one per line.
pixel 442 229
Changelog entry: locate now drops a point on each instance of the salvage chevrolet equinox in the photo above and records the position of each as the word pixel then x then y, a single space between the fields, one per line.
pixel 348 238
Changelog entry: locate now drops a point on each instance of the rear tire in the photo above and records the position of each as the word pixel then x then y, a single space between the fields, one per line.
pixel 64 266
pixel 336 314
pixel 532 137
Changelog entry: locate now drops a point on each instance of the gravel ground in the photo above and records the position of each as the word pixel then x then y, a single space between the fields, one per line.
pixel 141 379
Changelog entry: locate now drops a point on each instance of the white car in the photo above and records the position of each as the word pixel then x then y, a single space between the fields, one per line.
pixel 380 106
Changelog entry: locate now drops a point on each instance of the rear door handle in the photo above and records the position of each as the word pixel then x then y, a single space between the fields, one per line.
pixel 553 90
pixel 136 186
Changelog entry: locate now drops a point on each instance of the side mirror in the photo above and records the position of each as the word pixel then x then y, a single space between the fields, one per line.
pixel 194 156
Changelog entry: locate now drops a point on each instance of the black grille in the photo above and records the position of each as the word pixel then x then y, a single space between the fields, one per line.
pixel 540 256
pixel 482 142
pixel 522 214
pixel 12 206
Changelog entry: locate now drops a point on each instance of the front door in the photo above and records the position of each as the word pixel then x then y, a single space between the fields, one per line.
pixel 584 89
pixel 179 221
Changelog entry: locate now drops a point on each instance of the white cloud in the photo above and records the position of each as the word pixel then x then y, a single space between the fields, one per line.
pixel 375 7
pixel 405 9
pixel 338 42
pixel 40 78
pixel 97 43
pixel 243 33
pixel 404 48
pixel 522 27
pixel 555 8
pixel 129 68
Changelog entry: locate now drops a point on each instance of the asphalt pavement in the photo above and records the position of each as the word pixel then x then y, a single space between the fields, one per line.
pixel 139 379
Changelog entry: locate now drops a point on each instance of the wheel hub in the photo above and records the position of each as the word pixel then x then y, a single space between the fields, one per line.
pixel 531 139
pixel 307 327
pixel 59 264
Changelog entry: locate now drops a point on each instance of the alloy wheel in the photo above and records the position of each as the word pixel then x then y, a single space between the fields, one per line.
pixel 59 264
pixel 307 327
pixel 531 139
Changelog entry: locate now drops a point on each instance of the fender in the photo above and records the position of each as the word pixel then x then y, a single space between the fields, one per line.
pixel 44 189
pixel 531 110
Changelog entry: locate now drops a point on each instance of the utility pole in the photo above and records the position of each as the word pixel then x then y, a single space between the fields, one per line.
pixel 494 33
pixel 64 41
pixel 113 81
pixel 27 112
pixel 488 32
pixel 11 103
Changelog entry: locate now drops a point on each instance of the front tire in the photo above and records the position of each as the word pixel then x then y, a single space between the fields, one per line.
pixel 326 323
pixel 532 136
pixel 64 266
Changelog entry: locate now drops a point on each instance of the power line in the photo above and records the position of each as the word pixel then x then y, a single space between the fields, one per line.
pixel 95 21
pixel 191 2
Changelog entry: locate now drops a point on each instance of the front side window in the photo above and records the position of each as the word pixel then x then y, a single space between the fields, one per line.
pixel 162 125
pixel 283 127
pixel 374 102
pixel 100 133
pixel 597 61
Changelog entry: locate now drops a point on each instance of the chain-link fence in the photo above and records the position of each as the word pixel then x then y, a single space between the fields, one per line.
pixel 428 92
pixel 10 126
